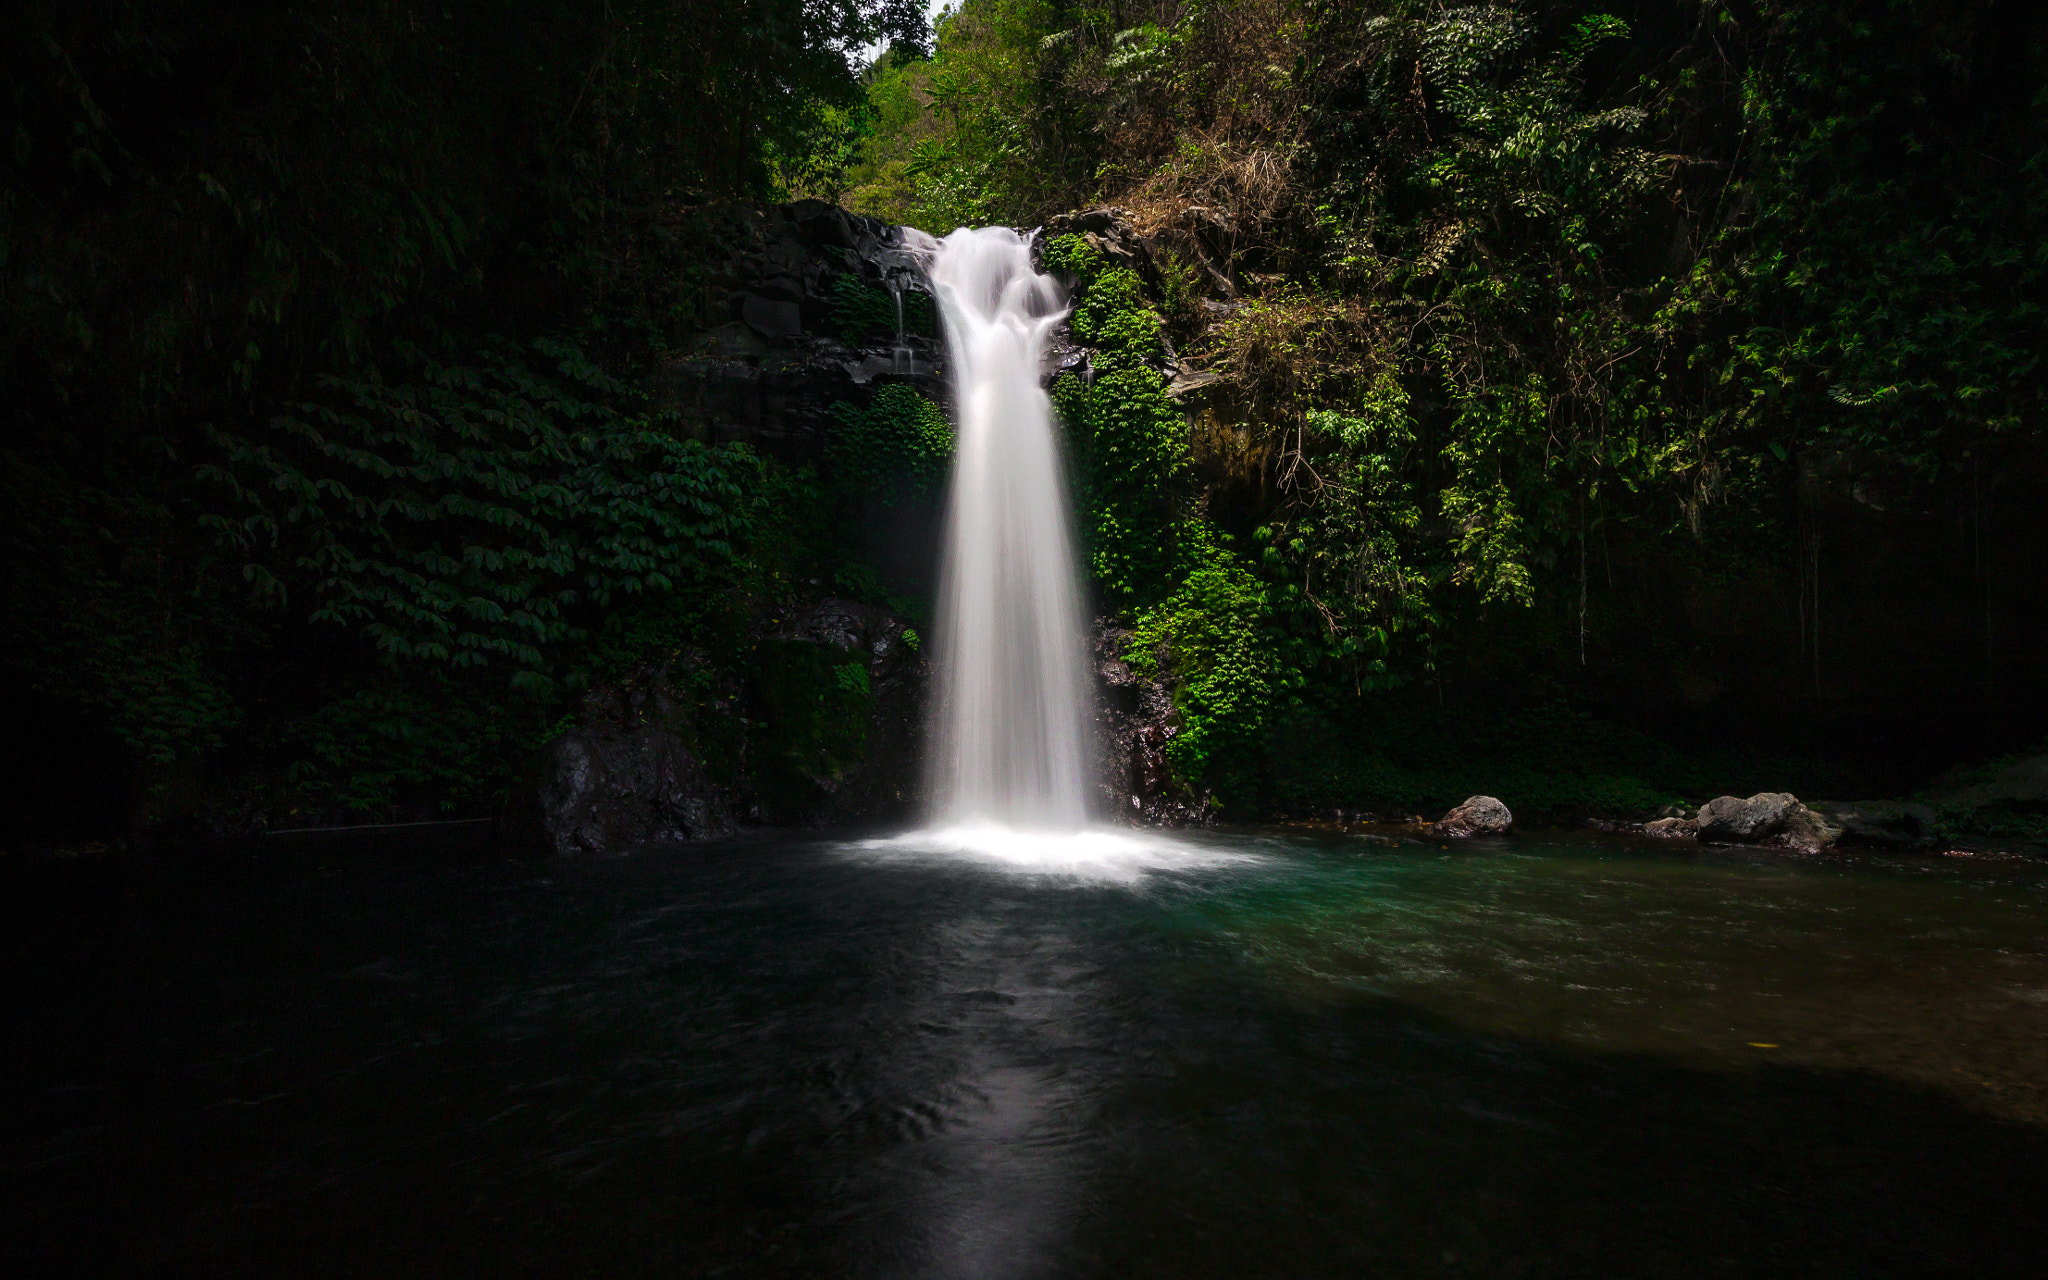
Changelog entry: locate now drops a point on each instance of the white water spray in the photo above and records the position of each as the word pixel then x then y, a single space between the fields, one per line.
pixel 1011 736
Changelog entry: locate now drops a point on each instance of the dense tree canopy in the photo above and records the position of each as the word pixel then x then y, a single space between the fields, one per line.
pixel 295 300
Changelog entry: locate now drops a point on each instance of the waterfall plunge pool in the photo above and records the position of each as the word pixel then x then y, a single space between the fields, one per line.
pixel 1221 1054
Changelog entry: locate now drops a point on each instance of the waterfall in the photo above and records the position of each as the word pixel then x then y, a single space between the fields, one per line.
pixel 1011 728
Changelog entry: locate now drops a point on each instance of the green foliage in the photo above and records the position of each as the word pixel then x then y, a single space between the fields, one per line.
pixel 1210 639
pixel 1530 299
pixel 429 738
pixel 1202 618
pixel 968 136
pixel 862 313
pixel 810 715
pixel 895 448
pixel 227 281
pixel 110 625
pixel 1127 438
pixel 1071 255
pixel 483 515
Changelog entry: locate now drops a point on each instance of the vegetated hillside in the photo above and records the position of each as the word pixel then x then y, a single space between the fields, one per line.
pixel 329 470
pixel 1551 382
pixel 1600 405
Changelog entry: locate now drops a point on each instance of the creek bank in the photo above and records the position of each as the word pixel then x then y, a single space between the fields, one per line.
pixel 1780 819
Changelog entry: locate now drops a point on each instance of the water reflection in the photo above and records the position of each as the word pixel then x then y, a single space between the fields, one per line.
pixel 1223 1055
pixel 994 1183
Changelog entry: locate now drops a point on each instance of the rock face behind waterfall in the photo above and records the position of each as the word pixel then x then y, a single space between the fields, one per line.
pixel 795 302
pixel 1134 721
pixel 825 726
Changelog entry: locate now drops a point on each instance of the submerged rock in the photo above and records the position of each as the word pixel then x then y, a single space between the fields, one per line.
pixel 1672 828
pixel 1894 824
pixel 1478 816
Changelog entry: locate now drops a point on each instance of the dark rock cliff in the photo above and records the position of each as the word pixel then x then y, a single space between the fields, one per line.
pixel 792 295
pixel 823 726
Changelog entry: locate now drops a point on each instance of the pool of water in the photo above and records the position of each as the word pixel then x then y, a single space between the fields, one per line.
pixel 1228 1054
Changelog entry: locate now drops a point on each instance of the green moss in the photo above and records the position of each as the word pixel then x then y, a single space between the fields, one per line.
pixel 863 313
pixel 811 705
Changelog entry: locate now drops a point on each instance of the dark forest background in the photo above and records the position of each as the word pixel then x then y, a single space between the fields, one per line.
pixel 1645 396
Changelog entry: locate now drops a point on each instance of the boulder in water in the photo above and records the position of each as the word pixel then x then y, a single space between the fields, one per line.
pixel 1671 828
pixel 1807 831
pixel 1478 816
pixel 1768 817
pixel 1756 819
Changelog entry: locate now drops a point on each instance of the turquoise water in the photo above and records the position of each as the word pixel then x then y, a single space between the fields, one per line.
pixel 1246 1053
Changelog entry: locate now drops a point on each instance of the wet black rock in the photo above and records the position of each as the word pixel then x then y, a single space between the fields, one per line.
pixel 862 759
pixel 1135 720
pixel 1893 824
pixel 1478 816
pixel 602 791
pixel 824 725
pixel 623 775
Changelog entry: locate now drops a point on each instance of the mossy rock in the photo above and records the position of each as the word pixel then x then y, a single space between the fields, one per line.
pixel 811 705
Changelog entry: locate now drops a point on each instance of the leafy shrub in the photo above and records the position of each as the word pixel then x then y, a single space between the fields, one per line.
pixel 862 313
pixel 895 448
pixel 484 515
pixel 1209 638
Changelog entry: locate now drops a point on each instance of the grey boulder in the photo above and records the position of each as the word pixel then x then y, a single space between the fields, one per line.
pixel 1478 816
pixel 1769 817
pixel 1756 819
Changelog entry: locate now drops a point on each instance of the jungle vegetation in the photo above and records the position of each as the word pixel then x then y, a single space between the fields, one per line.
pixel 1529 320
pixel 1539 336
pixel 326 477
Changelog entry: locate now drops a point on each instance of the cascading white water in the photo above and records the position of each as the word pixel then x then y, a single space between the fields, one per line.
pixel 1011 735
